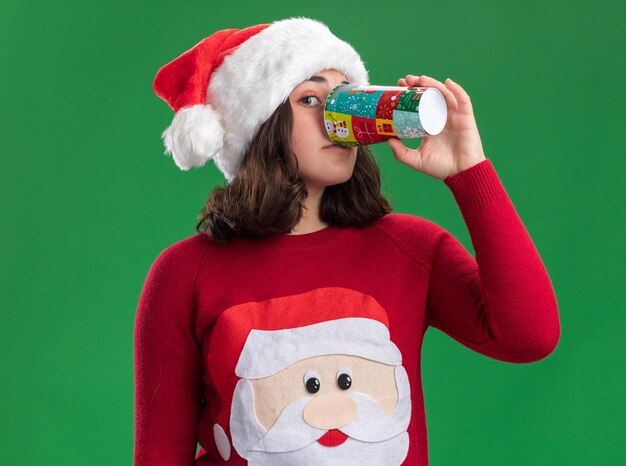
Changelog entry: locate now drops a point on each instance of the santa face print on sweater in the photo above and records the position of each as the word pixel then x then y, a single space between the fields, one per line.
pixel 275 422
pixel 330 392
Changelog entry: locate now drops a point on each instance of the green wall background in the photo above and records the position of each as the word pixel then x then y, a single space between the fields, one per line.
pixel 89 200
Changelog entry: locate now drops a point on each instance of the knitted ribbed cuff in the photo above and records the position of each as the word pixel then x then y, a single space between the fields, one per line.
pixel 476 186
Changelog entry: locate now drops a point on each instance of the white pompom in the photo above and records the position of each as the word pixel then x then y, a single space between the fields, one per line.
pixel 195 136
pixel 222 442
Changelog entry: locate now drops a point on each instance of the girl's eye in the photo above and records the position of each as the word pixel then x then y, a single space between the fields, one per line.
pixel 309 100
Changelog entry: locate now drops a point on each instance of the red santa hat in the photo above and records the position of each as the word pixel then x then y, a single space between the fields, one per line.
pixel 257 339
pixel 228 84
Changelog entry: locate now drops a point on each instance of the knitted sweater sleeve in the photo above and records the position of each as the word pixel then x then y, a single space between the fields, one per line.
pixel 502 303
pixel 168 360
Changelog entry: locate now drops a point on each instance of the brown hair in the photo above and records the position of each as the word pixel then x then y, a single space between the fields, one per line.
pixel 266 196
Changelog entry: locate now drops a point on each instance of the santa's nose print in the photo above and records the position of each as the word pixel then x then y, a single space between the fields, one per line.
pixel 330 411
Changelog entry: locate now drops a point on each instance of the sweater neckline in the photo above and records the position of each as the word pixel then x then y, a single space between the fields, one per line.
pixel 312 240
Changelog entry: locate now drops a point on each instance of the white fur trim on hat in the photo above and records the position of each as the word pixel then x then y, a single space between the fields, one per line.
pixel 269 351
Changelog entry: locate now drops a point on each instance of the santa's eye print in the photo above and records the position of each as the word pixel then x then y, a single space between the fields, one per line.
pixel 344 379
pixel 312 382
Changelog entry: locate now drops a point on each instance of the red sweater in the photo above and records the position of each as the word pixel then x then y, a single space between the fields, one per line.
pixel 409 271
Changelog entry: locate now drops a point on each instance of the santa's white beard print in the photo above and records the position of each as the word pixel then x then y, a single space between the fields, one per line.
pixel 372 438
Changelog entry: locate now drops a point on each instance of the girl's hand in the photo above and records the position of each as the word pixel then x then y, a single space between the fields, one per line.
pixel 457 147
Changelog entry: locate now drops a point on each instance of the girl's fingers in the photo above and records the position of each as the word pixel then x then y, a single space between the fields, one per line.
pixel 401 151
pixel 427 81
pixel 410 157
pixel 402 82
pixel 461 96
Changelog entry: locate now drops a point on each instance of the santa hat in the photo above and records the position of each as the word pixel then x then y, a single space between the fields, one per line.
pixel 257 339
pixel 228 84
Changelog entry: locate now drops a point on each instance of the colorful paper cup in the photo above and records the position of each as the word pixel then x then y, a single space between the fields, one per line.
pixel 358 115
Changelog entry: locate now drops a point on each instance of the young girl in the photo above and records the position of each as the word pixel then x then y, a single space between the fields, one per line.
pixel 288 329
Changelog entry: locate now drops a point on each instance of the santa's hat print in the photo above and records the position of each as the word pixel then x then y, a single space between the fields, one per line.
pixel 258 339
pixel 228 84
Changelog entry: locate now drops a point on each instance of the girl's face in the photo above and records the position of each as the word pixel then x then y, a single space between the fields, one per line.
pixel 321 163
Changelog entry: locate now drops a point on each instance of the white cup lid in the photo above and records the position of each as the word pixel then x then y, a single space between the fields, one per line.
pixel 433 111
